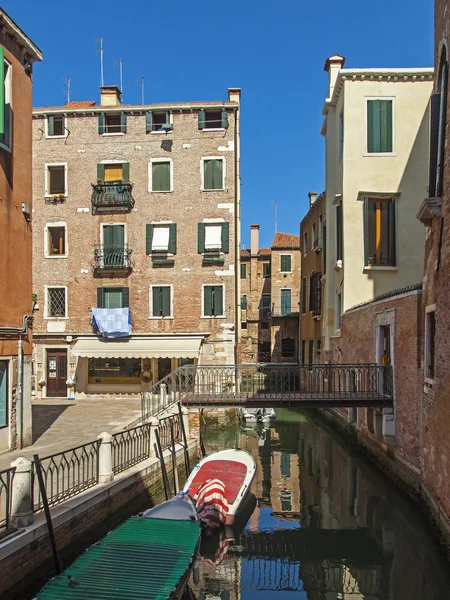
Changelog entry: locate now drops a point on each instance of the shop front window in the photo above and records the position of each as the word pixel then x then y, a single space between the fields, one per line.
pixel 114 370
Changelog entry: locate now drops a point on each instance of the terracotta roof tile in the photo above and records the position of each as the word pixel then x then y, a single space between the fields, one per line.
pixel 245 253
pixel 80 103
pixel 286 241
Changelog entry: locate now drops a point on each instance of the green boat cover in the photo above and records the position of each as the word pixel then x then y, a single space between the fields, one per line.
pixel 142 558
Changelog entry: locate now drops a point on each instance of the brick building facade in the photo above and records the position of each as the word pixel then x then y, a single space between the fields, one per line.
pixel 270 288
pixel 17 55
pixel 136 212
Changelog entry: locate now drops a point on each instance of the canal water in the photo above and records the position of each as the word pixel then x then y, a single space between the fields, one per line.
pixel 325 524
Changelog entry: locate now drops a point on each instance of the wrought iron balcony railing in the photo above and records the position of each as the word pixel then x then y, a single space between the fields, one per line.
pixel 112 258
pixel 285 310
pixel 112 195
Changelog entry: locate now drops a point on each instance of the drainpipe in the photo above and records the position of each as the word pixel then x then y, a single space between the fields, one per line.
pixel 19 413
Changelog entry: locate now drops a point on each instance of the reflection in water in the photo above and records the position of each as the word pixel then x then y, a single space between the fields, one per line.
pixel 326 525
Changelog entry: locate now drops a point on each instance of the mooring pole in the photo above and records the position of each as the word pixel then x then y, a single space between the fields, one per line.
pixel 174 458
pixel 202 447
pixel 159 452
pixel 187 462
pixel 48 517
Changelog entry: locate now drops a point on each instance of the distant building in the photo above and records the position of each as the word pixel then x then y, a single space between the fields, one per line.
pixel 270 287
pixel 136 240
pixel 313 270
pixel 17 55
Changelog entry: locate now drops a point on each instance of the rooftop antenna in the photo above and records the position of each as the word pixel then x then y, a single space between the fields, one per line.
pixel 119 64
pixel 100 41
pixel 67 93
pixel 142 80
pixel 275 204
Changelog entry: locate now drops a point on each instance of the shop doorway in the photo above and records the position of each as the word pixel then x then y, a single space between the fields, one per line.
pixel 56 373
pixel 164 367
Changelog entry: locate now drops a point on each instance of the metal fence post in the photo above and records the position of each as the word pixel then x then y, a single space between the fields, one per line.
pixel 21 494
pixel 105 459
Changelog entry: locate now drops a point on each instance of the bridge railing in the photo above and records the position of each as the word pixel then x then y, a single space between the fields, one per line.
pixel 243 383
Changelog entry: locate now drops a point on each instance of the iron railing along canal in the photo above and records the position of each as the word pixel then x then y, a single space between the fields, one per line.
pixel 164 427
pixel 6 478
pixel 67 473
pixel 130 447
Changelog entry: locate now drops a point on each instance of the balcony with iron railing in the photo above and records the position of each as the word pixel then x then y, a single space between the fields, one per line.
pixel 317 245
pixel 112 258
pixel 285 309
pixel 112 195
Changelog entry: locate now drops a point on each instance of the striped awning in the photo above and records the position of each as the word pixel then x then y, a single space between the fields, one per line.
pixel 173 347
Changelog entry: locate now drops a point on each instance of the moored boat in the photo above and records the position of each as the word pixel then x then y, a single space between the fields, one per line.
pixel 232 472
pixel 258 415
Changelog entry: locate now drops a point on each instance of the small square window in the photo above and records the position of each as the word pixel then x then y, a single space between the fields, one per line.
pixel 113 172
pixel 56 242
pixel 56 180
pixel 56 302
pixel 160 240
pixel 286 263
pixel 113 123
pixel 213 119
pixel 161 176
pixel 158 120
pixel 244 325
pixel 56 126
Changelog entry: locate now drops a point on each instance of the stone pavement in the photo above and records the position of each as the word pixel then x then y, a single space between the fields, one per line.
pixel 60 424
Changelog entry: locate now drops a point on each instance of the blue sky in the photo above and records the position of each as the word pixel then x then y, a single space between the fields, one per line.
pixel 274 51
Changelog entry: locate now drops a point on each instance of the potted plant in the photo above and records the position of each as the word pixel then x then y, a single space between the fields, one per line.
pixel 42 382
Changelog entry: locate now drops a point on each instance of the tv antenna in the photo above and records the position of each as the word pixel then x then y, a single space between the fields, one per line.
pixel 67 93
pixel 137 81
pixel 275 205
pixel 119 64
pixel 100 41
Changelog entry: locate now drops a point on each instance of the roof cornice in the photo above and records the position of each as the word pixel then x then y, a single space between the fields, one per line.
pixel 137 108
pixel 15 32
pixel 313 208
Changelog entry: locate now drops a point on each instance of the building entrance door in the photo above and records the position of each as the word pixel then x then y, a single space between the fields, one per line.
pixel 164 367
pixel 56 373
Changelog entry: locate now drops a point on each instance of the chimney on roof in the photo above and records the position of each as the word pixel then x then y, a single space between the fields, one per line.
pixel 312 197
pixel 234 95
pixel 110 95
pixel 333 65
pixel 254 240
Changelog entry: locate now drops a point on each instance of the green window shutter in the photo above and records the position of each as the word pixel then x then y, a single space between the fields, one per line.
pixel 392 233
pixel 201 238
pixel 303 295
pixel 101 172
pixel 101 123
pixel 148 121
pixel 125 297
pixel 434 138
pixel 208 175
pixel 225 237
pixel 126 172
pixel 244 302
pixel 156 302
pixel 225 119
pixel 113 298
pixel 201 119
pixel 148 238
pixel 243 271
pixel 123 122
pixel 386 125
pixel 217 174
pixel 373 126
pixel 207 300
pixel 366 230
pixel 51 125
pixel 2 89
pixel 266 269
pixel 217 300
pixel 285 263
pixel 173 238
pixel 161 176
pixel 285 302
pixel 165 298
pixel 100 297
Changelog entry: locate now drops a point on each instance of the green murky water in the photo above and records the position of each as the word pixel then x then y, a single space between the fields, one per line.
pixel 325 525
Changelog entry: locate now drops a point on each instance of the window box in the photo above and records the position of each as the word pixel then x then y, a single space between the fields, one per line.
pixel 163 262
pixel 213 260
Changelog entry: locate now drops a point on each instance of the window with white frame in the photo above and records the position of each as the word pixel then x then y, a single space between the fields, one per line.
pixel 430 332
pixel 56 180
pixel 55 242
pixel 161 175
pixel 56 126
pixel 161 301
pixel 380 125
pixel 213 301
pixel 56 302
pixel 213 173
pixel 286 263
pixel 213 119
pixel 6 109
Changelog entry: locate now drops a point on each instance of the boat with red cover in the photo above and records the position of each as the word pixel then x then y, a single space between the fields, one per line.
pixel 223 479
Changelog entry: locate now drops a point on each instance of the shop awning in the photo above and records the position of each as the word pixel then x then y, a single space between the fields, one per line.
pixel 138 348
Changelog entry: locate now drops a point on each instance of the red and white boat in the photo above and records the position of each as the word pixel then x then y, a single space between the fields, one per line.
pixel 230 473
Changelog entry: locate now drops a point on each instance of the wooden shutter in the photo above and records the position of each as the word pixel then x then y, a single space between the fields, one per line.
pixel 225 237
pixel 285 262
pixel 126 172
pixel 100 297
pixel 285 302
pixel 218 300
pixel 51 125
pixel 2 90
pixel 165 299
pixel 217 174
pixel 208 174
pixel 243 271
pixel 201 119
pixel 201 238
pixel 123 122
pixel 148 121
pixel 392 233
pixel 156 302
pixel 207 300
pixel 224 119
pixel 366 230
pixel 434 140
pixel 148 238
pixel 101 172
pixel 125 297
pixel 173 238
pixel 161 177
pixel 385 126
pixel 101 123
pixel 373 126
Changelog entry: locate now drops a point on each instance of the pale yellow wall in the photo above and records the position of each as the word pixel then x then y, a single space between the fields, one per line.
pixel 405 173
